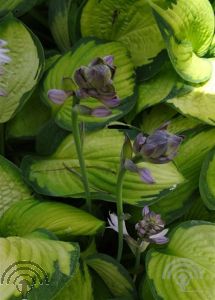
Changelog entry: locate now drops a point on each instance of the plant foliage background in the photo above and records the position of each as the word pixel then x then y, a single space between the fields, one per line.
pixel 164 51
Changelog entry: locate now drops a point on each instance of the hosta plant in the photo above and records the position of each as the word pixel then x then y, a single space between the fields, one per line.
pixel 107 149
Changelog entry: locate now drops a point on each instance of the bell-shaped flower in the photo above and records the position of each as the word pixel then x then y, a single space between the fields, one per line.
pixel 113 224
pixel 150 230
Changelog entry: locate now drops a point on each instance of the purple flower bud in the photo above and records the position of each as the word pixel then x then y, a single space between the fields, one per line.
pixel 96 61
pixel 151 227
pixel 130 166
pixel 138 143
pixel 58 96
pixel 101 112
pixel 80 78
pixel 82 94
pixel 146 175
pixel 159 147
pixel 114 102
pixel 109 60
pixel 96 81
pixel 98 76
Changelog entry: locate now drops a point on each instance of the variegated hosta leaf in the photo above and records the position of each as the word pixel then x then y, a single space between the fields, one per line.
pixel 184 269
pixel 79 287
pixel 156 90
pixel 145 291
pixel 82 55
pixel 207 180
pixel 128 21
pixel 19 7
pixel 199 211
pixel 188 31
pixel 189 162
pixel 199 102
pixel 12 186
pixel 64 20
pixel 22 73
pixel 63 220
pixel 211 50
pixel 100 289
pixel 115 276
pixel 35 267
pixel 23 214
pixel 155 117
pixel 29 120
pixel 59 174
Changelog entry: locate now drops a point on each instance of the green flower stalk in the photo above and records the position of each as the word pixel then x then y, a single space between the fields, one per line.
pixel 160 147
pixel 150 230
pixel 95 81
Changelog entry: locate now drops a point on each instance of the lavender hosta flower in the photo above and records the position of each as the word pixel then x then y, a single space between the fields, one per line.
pixel 144 173
pixel 150 230
pixel 96 81
pixel 113 224
pixel 151 227
pixel 159 147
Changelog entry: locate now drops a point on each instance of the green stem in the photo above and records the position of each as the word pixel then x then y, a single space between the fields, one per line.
pixel 137 260
pixel 142 246
pixel 137 263
pixel 119 187
pixel 79 150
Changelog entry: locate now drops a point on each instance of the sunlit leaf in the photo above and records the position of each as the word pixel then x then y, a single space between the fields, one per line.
pixel 185 266
pixel 59 174
pixel 22 73
pixel 130 22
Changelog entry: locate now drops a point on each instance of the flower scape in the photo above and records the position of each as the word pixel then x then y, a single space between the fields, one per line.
pixel 107 150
